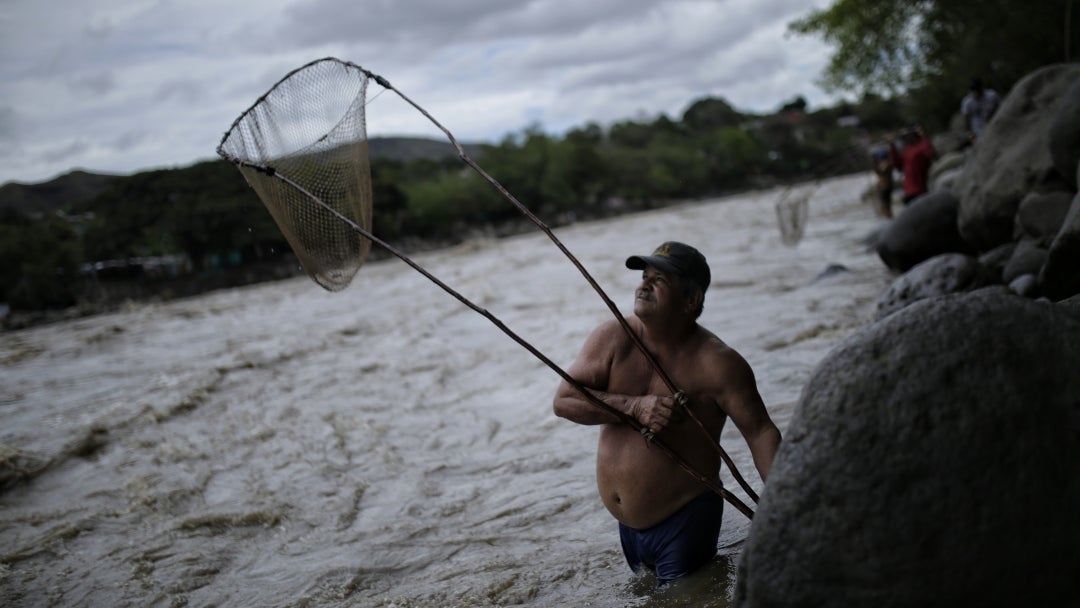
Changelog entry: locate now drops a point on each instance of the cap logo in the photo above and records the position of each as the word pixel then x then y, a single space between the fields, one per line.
pixel 664 249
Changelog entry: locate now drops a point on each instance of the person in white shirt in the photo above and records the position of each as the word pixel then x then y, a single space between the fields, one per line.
pixel 978 107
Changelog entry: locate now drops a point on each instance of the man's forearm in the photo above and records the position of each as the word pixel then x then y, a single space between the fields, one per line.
pixel 575 407
pixel 763 448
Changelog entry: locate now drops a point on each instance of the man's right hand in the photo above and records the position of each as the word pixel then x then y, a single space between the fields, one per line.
pixel 654 412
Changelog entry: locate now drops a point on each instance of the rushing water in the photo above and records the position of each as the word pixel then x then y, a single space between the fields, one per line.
pixel 279 445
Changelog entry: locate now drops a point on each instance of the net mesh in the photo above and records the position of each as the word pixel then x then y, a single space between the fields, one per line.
pixel 791 211
pixel 310 128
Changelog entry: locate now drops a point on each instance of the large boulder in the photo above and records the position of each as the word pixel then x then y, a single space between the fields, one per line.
pixel 945 170
pixel 946 162
pixel 1027 258
pixel 1071 306
pixel 994 261
pixel 945 179
pixel 941 275
pixel 933 460
pixel 952 139
pixel 924 229
pixel 1012 157
pixel 1065 134
pixel 1041 215
pixel 1060 277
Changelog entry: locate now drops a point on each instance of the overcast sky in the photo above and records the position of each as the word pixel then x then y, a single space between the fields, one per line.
pixel 118 86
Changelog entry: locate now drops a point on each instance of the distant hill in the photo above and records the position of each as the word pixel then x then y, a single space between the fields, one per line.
pixel 49 196
pixel 415 148
pixel 80 186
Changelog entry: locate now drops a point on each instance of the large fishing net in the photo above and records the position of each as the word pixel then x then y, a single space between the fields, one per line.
pixel 303 147
pixel 309 129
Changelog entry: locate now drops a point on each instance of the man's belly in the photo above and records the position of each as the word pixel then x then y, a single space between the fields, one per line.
pixel 640 484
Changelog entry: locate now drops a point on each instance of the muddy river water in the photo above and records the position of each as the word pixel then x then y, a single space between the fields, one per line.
pixel 278 445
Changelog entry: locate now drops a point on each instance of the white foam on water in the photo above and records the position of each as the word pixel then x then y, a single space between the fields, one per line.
pixel 386 446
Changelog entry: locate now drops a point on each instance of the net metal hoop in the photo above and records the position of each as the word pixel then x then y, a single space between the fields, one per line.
pixel 310 125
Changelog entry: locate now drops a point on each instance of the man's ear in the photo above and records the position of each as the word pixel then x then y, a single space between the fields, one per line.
pixel 693 301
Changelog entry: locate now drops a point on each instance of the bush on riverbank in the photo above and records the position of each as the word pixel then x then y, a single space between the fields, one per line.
pixel 201 223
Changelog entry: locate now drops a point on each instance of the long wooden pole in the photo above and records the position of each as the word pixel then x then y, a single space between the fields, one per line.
pixel 590 397
pixel 581 268
pixel 712 484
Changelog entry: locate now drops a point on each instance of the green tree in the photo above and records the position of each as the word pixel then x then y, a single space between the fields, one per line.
pixel 732 153
pixel 537 170
pixel 930 49
pixel 710 114
pixel 796 105
pixel 39 262
pixel 586 170
pixel 875 43
pixel 628 173
pixel 203 209
pixel 879 114
pixel 127 217
pixel 443 205
pixel 212 211
pixel 630 134
pixel 676 169
pixel 390 203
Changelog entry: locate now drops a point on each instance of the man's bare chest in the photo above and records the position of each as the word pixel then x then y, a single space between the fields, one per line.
pixel 634 374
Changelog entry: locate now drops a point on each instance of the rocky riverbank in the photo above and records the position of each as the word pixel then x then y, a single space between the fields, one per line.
pixel 934 456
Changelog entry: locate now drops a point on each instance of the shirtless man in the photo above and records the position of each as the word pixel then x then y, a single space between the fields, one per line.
pixel 668 520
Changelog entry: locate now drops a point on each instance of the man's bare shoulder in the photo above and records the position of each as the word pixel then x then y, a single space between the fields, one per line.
pixel 605 341
pixel 612 332
pixel 709 344
pixel 726 364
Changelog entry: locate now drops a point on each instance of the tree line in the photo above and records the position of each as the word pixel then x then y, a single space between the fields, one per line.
pixel 903 60
pixel 207 213
pixel 929 51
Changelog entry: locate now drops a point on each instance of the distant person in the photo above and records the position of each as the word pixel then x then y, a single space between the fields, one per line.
pixel 978 107
pixel 669 521
pixel 913 160
pixel 883 168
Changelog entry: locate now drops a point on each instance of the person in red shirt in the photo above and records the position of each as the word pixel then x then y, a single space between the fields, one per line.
pixel 913 160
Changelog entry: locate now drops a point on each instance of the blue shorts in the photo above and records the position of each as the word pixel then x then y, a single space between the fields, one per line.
pixel 680 544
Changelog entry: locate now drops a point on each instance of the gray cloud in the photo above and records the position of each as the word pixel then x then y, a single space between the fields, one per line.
pixel 126 141
pixel 180 90
pixel 65 151
pixel 123 85
pixel 8 120
pixel 95 84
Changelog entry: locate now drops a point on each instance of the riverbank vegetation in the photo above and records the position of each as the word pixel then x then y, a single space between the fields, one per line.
pixel 88 241
pixel 174 226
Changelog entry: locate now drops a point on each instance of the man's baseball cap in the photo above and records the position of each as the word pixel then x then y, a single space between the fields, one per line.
pixel 676 258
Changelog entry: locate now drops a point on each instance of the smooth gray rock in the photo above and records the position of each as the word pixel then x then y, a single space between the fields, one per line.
pixel 933 460
pixel 1065 134
pixel 1060 277
pixel 1026 285
pixel 924 229
pixel 1041 215
pixel 994 260
pixel 1012 157
pixel 945 274
pixel 1027 258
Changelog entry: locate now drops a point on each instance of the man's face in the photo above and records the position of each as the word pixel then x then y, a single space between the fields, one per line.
pixel 660 293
